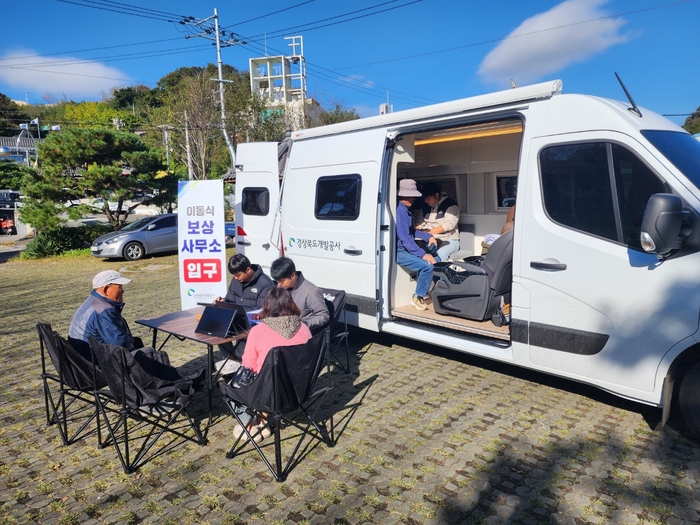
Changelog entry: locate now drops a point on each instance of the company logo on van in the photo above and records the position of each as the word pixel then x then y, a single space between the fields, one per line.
pixel 190 292
pixel 307 244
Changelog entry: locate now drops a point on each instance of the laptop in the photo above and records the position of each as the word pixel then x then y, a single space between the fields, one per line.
pixel 217 322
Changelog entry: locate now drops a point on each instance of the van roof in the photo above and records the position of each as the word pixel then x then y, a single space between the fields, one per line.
pixel 522 94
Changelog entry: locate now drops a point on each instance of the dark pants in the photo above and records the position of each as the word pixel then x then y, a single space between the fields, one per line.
pixel 228 349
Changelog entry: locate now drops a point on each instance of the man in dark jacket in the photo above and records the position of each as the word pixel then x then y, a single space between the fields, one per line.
pixel 248 288
pixel 307 296
pixel 249 284
pixel 100 316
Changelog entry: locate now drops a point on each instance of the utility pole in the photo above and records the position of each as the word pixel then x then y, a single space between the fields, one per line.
pixel 206 33
pixel 190 171
pixel 166 136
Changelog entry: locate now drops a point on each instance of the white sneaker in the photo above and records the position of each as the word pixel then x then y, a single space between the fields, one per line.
pixel 226 368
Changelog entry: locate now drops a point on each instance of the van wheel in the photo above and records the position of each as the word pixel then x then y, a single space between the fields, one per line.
pixel 134 251
pixel 689 399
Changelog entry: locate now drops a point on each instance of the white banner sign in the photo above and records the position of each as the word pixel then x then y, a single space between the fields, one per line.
pixel 202 247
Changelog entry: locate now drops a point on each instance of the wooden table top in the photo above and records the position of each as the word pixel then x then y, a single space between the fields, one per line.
pixel 183 324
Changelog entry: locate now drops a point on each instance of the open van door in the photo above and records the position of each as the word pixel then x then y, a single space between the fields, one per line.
pixel 257 199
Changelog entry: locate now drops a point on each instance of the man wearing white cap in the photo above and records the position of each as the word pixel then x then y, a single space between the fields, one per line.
pixel 408 254
pixel 100 315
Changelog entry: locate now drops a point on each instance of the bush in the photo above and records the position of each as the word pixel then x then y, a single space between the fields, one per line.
pixel 59 240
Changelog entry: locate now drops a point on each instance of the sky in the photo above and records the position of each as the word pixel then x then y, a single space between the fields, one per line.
pixel 363 53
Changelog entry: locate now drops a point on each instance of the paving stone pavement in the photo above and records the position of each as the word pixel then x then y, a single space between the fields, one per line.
pixel 424 436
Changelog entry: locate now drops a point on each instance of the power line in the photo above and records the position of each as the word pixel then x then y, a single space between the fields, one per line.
pixel 281 31
pixel 111 58
pixel 269 14
pixel 126 9
pixel 90 49
pixel 502 39
pixel 364 87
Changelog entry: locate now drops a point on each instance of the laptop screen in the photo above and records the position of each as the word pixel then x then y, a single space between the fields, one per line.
pixel 216 322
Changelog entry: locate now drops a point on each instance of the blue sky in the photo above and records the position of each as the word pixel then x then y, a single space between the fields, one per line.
pixel 414 52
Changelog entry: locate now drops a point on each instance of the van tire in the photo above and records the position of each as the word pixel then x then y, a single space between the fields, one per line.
pixel 689 399
pixel 134 251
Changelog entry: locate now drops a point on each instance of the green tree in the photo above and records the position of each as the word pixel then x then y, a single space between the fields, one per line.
pixel 12 173
pixel 11 116
pixel 692 123
pixel 76 163
pixel 330 112
pixel 95 114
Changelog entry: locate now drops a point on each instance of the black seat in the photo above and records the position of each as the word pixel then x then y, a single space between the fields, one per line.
pixel 76 379
pixel 285 394
pixel 474 291
pixel 147 392
pixel 335 302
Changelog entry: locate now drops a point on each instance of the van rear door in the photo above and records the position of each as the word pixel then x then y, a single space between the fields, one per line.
pixel 257 196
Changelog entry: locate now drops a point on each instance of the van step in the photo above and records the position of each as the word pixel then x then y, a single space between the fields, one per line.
pixel 484 328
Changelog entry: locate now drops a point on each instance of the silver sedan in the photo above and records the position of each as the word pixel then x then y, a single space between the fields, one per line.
pixel 146 236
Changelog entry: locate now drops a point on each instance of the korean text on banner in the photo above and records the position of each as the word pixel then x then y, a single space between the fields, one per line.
pixel 201 244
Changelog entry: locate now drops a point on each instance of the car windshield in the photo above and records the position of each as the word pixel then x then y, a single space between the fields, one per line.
pixel 138 224
pixel 682 149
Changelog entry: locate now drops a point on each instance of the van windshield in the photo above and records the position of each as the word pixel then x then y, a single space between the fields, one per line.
pixel 682 149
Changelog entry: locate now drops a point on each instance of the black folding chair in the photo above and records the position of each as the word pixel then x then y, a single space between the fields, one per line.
pixel 285 394
pixel 77 380
pixel 151 395
pixel 335 301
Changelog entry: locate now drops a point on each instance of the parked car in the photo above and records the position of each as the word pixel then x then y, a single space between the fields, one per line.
pixel 146 236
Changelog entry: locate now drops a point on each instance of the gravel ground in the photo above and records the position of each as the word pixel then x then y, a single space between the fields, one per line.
pixel 424 436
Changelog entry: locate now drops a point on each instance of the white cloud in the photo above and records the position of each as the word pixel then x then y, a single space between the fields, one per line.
pixel 74 77
pixel 541 51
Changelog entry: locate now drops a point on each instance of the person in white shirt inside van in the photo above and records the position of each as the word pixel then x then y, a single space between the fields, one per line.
pixel 408 254
pixel 489 238
pixel 441 219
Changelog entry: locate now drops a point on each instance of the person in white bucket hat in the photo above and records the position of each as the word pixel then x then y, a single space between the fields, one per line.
pixel 408 254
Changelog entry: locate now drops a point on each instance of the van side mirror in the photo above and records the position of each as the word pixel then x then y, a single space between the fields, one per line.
pixel 662 225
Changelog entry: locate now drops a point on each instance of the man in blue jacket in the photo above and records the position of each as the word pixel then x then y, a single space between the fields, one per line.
pixel 100 316
pixel 408 254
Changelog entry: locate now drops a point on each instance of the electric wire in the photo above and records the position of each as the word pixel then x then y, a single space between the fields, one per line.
pixel 285 30
pixel 126 9
pixel 269 14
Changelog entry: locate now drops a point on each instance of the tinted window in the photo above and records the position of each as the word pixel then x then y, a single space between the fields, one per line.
pixel 634 183
pixel 255 201
pixel 576 188
pixel 167 222
pixel 338 198
pixel 682 149
pixel 578 192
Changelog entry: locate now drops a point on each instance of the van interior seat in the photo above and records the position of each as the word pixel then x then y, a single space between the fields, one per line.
pixel 466 242
pixel 474 291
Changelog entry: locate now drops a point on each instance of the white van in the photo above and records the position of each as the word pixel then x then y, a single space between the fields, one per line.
pixel 587 301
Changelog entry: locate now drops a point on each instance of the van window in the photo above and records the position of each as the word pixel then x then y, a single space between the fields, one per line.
pixel 681 148
pixel 255 201
pixel 635 183
pixel 578 191
pixel 338 198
